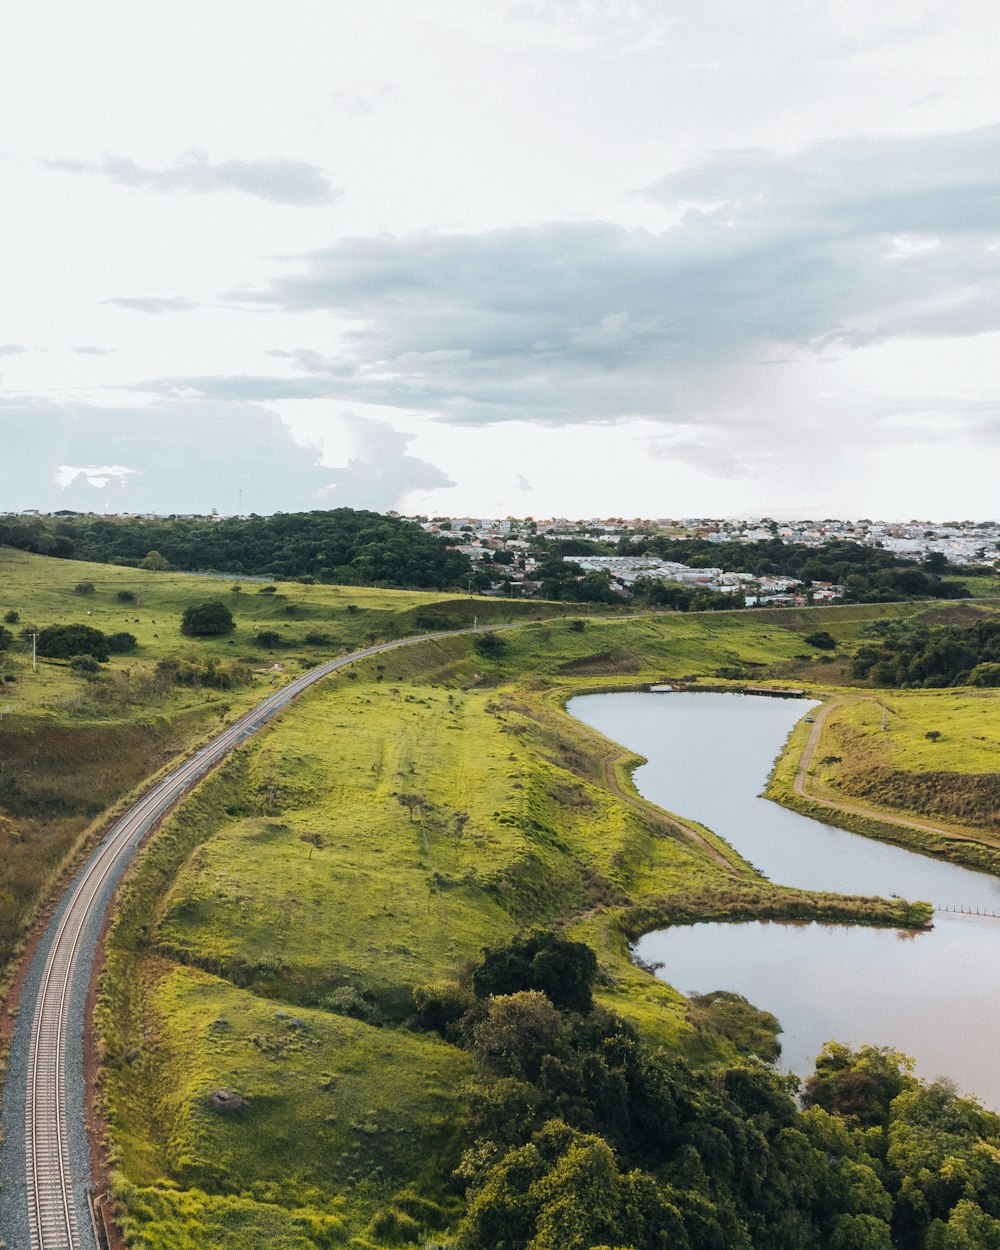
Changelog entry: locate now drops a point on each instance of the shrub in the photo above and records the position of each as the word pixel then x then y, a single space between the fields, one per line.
pixel 84 664
pixel 347 1001
pixel 318 640
pixel 11 617
pixel 6 638
pixel 83 588
pixel 207 620
pixel 122 643
pixel 268 638
pixel 822 639
pixel 126 596
pixel 268 590
pixel 489 645
pixel 985 675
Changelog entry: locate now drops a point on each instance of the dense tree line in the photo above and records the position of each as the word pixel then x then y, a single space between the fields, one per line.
pixel 949 655
pixel 868 574
pixel 580 1136
pixel 339 545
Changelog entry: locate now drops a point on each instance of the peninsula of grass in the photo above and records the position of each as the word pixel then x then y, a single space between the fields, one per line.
pixel 914 767
pixel 266 1077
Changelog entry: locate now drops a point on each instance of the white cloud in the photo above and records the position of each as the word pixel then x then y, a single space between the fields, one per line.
pixel 279 181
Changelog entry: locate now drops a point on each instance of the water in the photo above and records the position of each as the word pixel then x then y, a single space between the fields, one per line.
pixel 933 995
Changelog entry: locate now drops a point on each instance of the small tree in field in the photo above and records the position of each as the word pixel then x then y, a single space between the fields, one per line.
pixel 207 620
pixel 315 842
pixel 412 802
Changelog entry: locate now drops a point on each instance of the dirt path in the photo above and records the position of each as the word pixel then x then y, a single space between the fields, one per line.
pixel 661 817
pixel 861 809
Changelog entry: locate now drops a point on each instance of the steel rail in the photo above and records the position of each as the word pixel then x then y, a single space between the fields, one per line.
pixel 51 1202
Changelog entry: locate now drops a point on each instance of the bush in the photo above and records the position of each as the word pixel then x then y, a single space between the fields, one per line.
pixel 318 640
pixel 83 588
pixel 122 643
pixel 197 673
pixel 207 620
pixel 11 617
pixel 821 639
pixel 489 645
pixel 269 638
pixel 126 596
pixel 347 1001
pixel 985 675
pixel 84 664
pixel 6 638
pixel 63 642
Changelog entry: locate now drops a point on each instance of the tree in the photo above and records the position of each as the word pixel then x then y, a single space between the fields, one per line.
pixel 542 961
pixel 63 642
pixel 412 802
pixel 985 675
pixel 153 560
pixel 315 841
pixel 6 638
pixel 207 620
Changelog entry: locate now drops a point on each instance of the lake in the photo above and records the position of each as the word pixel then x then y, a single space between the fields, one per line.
pixel 934 995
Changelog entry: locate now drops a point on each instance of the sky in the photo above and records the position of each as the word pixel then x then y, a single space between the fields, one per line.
pixel 528 257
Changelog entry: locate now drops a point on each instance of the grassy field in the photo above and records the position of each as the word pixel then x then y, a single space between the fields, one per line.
pixel 938 755
pixel 73 746
pixel 263 1079
pixel 275 935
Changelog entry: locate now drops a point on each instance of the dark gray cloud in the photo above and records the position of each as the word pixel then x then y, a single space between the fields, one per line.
pixel 836 247
pixel 192 457
pixel 279 181
pixel 153 304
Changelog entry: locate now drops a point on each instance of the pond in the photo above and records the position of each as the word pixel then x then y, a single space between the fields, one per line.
pixel 933 995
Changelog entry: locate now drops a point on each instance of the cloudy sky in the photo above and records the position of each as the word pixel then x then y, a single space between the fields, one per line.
pixel 578 257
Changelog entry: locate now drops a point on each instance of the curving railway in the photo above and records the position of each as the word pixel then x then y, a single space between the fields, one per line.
pixel 44 1160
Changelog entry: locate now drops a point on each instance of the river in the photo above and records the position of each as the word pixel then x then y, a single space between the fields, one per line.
pixel 934 995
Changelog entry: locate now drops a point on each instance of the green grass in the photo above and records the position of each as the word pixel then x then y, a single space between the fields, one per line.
pixel 231 914
pixel 72 748
pixel 951 777
pixel 339 1116
pixel 968 722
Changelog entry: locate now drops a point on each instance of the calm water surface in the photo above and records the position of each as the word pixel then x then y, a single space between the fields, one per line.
pixel 933 995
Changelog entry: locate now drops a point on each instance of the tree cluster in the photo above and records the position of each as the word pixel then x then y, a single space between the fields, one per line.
pixel 949 655
pixel 582 1137
pixel 64 642
pixel 339 545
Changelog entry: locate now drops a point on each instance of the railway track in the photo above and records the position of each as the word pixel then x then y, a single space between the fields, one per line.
pixel 56 1181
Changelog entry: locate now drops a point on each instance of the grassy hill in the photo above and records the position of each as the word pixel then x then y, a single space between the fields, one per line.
pixel 73 745
pixel 262 940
